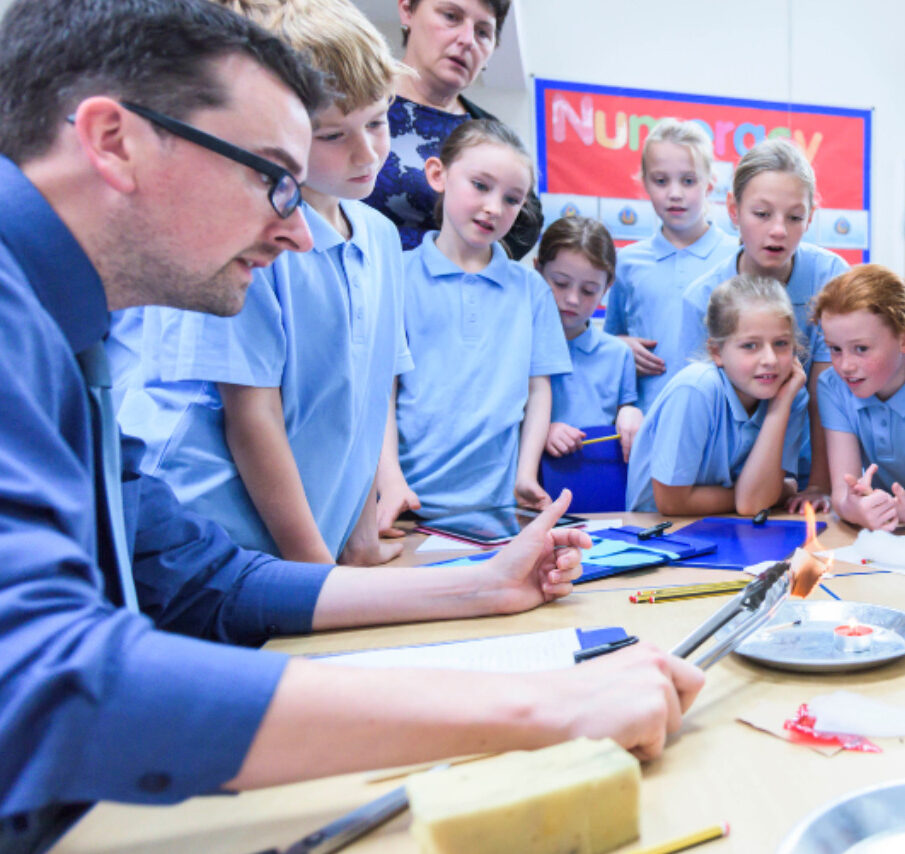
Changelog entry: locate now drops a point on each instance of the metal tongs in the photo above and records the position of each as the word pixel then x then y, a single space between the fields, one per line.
pixel 744 614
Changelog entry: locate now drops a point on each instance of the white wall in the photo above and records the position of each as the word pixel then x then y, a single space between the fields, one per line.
pixel 828 52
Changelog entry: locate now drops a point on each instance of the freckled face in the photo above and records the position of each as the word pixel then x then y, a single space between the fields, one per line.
pixel 865 352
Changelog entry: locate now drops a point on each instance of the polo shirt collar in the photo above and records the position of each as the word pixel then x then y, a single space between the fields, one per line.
pixel 896 403
pixel 437 264
pixel 701 248
pixel 325 236
pixel 588 341
pixel 739 413
pixel 57 268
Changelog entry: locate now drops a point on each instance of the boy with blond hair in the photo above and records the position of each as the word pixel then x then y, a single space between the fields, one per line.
pixel 271 422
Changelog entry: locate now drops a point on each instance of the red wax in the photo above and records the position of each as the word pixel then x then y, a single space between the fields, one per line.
pixel 855 631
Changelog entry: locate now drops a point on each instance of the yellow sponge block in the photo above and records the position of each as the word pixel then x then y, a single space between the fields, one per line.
pixel 580 797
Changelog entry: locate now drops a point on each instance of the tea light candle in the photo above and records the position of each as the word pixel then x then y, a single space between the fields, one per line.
pixel 853 637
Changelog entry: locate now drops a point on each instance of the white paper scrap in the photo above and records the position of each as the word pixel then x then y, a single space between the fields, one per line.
pixel 595 525
pixel 439 543
pixel 880 550
pixel 854 714
pixel 551 650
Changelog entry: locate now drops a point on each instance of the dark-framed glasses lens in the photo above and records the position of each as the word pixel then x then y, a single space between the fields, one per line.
pixel 285 196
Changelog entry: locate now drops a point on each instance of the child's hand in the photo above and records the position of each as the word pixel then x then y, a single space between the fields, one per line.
pixel 647 363
pixel 529 493
pixel 563 439
pixel 793 384
pixel 813 495
pixel 628 423
pixel 391 503
pixel 875 509
pixel 899 494
pixel 368 554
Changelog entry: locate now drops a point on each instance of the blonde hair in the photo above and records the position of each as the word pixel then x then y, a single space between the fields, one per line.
pixel 774 155
pixel 690 134
pixel 338 40
pixel 744 293
pixel 579 234
pixel 868 287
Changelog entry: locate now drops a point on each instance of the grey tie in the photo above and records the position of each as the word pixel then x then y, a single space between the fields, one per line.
pixel 96 370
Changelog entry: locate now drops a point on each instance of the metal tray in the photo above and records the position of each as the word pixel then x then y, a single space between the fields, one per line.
pixel 871 821
pixel 809 647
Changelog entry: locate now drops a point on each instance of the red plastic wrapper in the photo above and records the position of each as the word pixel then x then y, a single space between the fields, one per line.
pixel 801 731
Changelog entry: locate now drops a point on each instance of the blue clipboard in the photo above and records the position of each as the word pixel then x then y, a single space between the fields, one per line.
pixel 740 543
pixel 644 554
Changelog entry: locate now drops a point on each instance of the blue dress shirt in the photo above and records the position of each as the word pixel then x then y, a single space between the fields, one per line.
pixel 95 702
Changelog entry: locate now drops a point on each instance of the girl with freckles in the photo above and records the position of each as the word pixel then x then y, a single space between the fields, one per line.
pixel 862 401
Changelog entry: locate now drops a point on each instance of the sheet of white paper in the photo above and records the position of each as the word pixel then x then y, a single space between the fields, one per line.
pixel 880 549
pixel 759 568
pixel 855 714
pixel 509 654
pixel 439 543
pixel 602 524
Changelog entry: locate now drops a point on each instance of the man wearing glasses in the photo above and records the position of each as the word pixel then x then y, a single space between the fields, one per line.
pixel 151 153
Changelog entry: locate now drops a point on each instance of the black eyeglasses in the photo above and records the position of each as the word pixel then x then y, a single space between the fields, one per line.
pixel 285 193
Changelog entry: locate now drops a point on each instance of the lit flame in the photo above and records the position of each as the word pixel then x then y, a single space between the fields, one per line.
pixel 806 568
pixel 811 543
pixel 852 623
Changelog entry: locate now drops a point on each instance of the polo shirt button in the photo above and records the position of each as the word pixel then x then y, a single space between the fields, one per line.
pixel 154 782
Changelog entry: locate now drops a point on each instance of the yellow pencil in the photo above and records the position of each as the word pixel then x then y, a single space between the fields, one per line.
pixel 691 588
pixel 601 439
pixel 683 842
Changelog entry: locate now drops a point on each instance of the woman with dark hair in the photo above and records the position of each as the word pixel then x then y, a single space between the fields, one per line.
pixel 447 42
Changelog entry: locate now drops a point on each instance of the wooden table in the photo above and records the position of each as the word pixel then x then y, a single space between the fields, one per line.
pixel 716 769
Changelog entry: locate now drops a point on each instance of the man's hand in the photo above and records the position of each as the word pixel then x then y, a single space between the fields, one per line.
pixel 539 565
pixel 636 696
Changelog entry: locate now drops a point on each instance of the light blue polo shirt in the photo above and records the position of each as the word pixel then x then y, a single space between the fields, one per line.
pixel 813 266
pixel 602 380
pixel 476 339
pixel 646 297
pixel 879 426
pixel 326 328
pixel 698 432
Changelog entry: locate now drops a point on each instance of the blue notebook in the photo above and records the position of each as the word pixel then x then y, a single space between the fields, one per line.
pixel 740 543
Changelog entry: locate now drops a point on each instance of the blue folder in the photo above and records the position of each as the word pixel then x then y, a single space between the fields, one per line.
pixel 606 557
pixel 740 543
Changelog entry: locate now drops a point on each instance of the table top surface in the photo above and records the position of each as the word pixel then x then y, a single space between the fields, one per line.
pixel 715 769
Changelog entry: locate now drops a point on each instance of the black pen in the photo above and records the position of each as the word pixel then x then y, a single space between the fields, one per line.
pixel 604 648
pixel 659 528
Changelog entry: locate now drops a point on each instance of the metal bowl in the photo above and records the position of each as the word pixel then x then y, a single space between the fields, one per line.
pixel 810 646
pixel 871 821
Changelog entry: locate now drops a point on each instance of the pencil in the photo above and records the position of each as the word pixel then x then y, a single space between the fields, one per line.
pixel 683 842
pixel 688 591
pixel 601 439
pixel 704 585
